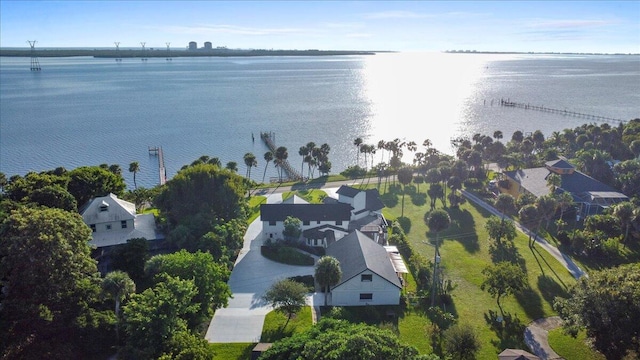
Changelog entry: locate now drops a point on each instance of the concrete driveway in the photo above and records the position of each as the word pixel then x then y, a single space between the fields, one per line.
pixel 252 275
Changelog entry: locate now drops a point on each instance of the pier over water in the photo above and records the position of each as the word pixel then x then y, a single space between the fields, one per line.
pixel 509 103
pixel 269 140
pixel 162 171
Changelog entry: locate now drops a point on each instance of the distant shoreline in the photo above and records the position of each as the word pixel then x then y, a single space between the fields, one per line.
pixel 156 53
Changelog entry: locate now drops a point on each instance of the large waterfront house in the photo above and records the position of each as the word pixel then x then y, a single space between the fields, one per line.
pixel 323 224
pixel 371 273
pixel 114 221
pixel 590 195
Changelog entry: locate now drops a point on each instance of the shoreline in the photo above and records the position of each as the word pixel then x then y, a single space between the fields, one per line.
pixel 175 53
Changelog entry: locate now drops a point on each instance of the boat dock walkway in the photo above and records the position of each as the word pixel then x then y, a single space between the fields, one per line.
pixel 162 171
pixel 527 106
pixel 269 139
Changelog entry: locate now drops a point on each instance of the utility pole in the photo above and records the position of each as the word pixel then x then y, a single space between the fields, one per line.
pixel 35 64
pixel 118 58
pixel 144 55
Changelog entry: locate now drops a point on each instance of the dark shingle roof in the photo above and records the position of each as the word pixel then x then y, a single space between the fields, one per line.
pixel 356 253
pixel 560 164
pixel 347 191
pixel 373 200
pixel 535 181
pixel 306 212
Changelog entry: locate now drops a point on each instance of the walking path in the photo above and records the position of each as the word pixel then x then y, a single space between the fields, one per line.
pixel 566 261
pixel 536 335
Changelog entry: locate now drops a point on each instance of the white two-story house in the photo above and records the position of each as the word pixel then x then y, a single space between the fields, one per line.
pixel 114 221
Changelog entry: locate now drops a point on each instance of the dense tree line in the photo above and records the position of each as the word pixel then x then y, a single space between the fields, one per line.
pixel 53 301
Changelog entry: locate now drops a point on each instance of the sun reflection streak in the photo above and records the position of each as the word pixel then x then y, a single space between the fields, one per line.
pixel 420 96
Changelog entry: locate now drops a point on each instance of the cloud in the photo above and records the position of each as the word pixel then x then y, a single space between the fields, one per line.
pixel 395 14
pixel 567 24
pixel 359 35
pixel 231 29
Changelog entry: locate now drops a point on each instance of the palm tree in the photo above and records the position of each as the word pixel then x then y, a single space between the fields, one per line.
pixel 547 206
pixel 268 156
pixel 357 142
pixel 250 161
pixel 232 165
pixel 381 146
pixel 528 215
pixel 405 175
pixel 624 213
pixel 553 182
pixel 281 155
pixel 327 274
pixel 506 204
pixel 437 221
pixel 303 152
pixel 497 135
pixel 118 286
pixel 134 167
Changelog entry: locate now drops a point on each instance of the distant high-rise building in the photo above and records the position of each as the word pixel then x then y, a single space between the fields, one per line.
pixel 207 45
pixel 193 45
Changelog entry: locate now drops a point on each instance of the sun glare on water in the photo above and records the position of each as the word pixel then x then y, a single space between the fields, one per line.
pixel 418 96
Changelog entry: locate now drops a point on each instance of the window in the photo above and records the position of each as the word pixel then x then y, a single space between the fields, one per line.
pixel 306 222
pixel 339 222
pixel 123 223
pixel 93 227
pixel 366 296
pixel 272 223
pixel 109 227
pixel 104 208
pixel 366 278
pixel 318 222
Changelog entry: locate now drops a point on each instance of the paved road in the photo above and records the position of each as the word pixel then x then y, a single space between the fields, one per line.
pixel 536 336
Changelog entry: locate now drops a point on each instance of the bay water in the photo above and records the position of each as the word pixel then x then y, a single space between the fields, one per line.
pixel 88 111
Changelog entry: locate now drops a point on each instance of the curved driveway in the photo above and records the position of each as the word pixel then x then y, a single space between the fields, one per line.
pixel 252 275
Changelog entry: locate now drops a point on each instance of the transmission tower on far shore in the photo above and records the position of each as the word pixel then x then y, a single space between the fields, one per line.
pixel 144 52
pixel 35 63
pixel 169 52
pixel 118 57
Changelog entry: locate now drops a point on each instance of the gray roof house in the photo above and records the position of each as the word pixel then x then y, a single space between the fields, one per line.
pixel 114 221
pixel 591 195
pixel 368 273
pixel 325 223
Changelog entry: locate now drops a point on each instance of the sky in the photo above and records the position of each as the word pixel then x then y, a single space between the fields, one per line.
pixel 538 26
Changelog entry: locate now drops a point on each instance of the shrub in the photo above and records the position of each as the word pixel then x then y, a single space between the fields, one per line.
pixel 286 255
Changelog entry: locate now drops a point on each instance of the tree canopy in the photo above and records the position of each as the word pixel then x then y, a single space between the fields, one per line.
pixel 287 296
pixel 327 273
pixel 209 277
pixel 203 189
pixel 339 339
pixel 49 284
pixel 607 305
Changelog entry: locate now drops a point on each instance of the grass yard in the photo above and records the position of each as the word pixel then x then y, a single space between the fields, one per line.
pixel 274 325
pixel 572 349
pixel 233 351
pixel 254 207
pixel 314 196
pixel 465 252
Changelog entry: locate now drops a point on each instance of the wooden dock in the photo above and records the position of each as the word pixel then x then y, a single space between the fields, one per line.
pixel 162 171
pixel 269 140
pixel 509 103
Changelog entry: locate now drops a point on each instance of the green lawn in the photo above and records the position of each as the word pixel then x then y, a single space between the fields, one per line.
pixel 233 351
pixel 313 196
pixel 254 207
pixel 274 325
pixel 465 252
pixel 572 348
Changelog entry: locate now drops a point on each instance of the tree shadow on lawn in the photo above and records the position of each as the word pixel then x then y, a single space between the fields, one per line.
pixel 550 288
pixel 531 302
pixel 405 223
pixel 537 255
pixel 418 199
pixel 510 331
pixel 506 251
pixel 389 199
pixel 463 228
pixel 273 335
